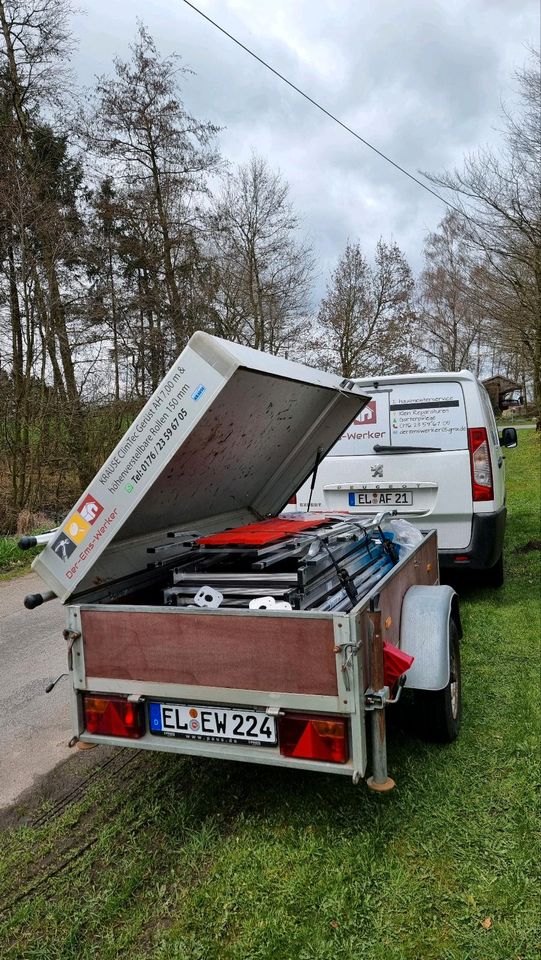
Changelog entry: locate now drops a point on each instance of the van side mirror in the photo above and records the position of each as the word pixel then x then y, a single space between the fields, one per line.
pixel 509 437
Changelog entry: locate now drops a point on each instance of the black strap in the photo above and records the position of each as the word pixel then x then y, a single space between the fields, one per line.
pixel 343 575
pixel 389 547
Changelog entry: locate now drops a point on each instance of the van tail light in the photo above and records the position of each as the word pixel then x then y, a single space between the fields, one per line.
pixel 293 500
pixel 113 716
pixel 481 470
pixel 313 738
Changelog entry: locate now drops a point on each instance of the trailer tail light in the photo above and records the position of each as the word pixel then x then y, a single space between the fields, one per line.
pixel 113 716
pixel 313 738
pixel 481 470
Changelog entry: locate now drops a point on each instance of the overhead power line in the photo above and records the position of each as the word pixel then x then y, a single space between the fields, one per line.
pixel 323 109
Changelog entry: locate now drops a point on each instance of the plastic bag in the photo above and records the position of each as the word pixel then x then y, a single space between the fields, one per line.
pixel 406 536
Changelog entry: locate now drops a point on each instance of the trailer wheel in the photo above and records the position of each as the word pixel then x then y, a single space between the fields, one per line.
pixel 439 711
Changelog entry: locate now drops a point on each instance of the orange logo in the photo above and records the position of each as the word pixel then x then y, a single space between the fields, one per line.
pixel 76 527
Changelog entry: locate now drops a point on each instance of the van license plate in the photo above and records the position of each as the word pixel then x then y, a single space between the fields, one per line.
pixel 197 722
pixel 380 498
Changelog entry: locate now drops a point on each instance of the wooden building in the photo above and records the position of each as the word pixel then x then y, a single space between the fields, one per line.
pixel 498 389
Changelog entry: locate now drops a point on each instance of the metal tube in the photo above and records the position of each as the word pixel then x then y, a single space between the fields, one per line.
pixel 190 590
pixel 25 543
pixel 379 781
pixel 239 578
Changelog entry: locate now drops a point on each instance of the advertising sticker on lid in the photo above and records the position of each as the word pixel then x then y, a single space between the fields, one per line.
pixel 90 509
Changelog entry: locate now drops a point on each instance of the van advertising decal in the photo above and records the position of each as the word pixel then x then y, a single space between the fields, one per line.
pixel 368 415
pixel 428 414
pixel 370 427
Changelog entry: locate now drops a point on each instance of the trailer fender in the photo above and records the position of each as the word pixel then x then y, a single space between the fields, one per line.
pixel 424 633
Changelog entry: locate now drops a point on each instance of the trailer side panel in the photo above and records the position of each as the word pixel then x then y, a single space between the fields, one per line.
pixel 421 569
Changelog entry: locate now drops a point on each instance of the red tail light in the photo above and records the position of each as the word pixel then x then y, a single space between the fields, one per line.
pixel 313 738
pixel 293 500
pixel 113 716
pixel 481 470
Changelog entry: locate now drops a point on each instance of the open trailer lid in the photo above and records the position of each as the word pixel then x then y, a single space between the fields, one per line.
pixel 227 438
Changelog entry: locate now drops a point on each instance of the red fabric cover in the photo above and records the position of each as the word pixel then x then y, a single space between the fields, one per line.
pixel 260 534
pixel 395 663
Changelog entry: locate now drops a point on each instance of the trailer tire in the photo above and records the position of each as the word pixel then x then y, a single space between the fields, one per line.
pixel 439 711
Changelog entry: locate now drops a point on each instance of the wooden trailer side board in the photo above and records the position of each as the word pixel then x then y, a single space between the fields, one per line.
pixel 422 568
pixel 285 654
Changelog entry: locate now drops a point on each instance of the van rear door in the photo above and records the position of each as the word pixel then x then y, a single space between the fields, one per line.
pixel 408 450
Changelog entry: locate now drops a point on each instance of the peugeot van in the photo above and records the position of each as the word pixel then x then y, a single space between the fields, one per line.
pixel 428 447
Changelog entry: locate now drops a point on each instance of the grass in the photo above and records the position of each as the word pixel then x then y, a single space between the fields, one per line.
pixel 13 561
pixel 178 859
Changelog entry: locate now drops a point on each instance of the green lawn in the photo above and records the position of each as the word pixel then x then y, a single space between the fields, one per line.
pixel 176 859
pixel 14 562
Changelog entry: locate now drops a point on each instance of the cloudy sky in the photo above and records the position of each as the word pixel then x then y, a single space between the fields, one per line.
pixel 423 80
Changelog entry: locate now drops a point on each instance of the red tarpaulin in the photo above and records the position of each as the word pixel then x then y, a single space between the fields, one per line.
pixel 260 534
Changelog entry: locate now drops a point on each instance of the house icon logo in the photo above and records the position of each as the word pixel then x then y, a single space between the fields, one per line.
pixel 368 415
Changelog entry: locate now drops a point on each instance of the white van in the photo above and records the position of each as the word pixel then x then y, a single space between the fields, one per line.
pixel 427 446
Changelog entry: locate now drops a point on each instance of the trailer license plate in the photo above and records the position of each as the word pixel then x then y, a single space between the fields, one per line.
pixel 380 498
pixel 197 722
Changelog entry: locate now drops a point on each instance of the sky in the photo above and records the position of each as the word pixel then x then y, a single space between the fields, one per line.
pixel 423 80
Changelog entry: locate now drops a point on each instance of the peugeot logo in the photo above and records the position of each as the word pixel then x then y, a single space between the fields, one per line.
pixel 377 469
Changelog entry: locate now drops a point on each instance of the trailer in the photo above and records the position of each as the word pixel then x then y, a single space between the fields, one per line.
pixel 170 645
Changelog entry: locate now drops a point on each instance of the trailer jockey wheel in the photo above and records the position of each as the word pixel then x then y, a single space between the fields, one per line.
pixel 439 711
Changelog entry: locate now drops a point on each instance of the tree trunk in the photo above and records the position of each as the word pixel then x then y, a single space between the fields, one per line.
pixel 177 314
pixel 18 453
pixel 113 318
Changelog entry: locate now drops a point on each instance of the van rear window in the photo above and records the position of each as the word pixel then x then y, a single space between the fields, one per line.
pixel 408 414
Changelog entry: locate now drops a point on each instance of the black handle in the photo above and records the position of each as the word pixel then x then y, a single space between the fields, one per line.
pixel 26 542
pixel 52 685
pixel 33 600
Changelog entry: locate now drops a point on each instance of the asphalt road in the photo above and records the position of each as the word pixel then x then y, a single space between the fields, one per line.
pixel 34 726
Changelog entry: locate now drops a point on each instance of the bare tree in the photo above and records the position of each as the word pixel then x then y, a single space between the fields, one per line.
pixel 499 196
pixel 38 224
pixel 367 313
pixel 263 269
pixel 139 125
pixel 34 56
pixel 451 319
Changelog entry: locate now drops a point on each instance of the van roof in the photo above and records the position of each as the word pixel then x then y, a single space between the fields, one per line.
pixel 439 376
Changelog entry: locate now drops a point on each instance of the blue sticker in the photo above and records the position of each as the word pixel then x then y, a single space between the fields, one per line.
pixel 198 392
